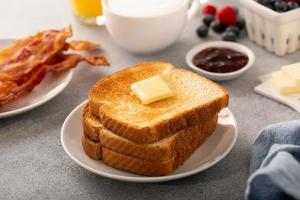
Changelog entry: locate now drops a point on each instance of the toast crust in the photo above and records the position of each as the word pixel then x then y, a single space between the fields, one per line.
pixel 182 147
pixel 106 92
pixel 155 168
pixel 137 166
pixel 162 150
pixel 90 124
pixel 172 146
pixel 91 148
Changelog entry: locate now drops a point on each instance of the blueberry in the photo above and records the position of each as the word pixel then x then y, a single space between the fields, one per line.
pixel 218 27
pixel 266 2
pixel 281 6
pixel 229 36
pixel 292 5
pixel 233 29
pixel 202 31
pixel 269 3
pixel 270 6
pixel 208 19
pixel 240 23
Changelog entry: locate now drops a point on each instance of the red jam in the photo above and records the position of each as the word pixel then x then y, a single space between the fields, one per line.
pixel 220 60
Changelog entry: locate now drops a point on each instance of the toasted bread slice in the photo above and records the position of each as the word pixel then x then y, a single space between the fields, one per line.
pixel 183 150
pixel 91 148
pixel 121 161
pixel 196 99
pixel 90 124
pixel 180 151
pixel 161 150
pixel 137 166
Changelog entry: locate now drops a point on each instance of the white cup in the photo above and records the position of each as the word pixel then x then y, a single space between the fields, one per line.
pixel 148 34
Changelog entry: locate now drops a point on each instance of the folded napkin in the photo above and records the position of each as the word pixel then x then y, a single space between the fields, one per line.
pixel 275 163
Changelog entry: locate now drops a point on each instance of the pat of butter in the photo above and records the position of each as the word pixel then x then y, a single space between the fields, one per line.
pixel 293 72
pixel 151 90
pixel 284 84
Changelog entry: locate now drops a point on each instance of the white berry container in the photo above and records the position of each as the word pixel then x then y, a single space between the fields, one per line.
pixel 277 32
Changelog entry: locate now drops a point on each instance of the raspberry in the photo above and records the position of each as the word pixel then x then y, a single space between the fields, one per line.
pixel 227 16
pixel 209 9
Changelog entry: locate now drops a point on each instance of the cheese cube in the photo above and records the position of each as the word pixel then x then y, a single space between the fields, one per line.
pixel 293 72
pixel 151 90
pixel 284 84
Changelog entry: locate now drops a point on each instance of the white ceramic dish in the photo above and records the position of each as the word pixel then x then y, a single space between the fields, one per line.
pixel 220 76
pixel 214 149
pixel 50 86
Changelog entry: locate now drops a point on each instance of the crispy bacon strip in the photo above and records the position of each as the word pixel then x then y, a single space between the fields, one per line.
pixel 25 63
pixel 26 54
pixel 83 45
pixel 6 88
pixel 10 90
pixel 71 60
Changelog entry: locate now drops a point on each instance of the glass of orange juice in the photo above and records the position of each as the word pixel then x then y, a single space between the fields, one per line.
pixel 88 11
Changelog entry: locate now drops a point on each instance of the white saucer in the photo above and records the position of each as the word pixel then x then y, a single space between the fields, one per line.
pixel 214 149
pixel 50 86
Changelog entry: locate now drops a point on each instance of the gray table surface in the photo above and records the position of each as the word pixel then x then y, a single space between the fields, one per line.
pixel 33 164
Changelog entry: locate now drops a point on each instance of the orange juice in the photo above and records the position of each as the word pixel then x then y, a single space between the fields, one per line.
pixel 87 10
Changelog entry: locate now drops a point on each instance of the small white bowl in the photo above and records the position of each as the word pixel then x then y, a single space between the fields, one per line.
pixel 220 76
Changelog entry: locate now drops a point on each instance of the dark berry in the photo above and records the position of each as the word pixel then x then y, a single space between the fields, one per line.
pixel 208 19
pixel 264 2
pixel 240 23
pixel 272 2
pixel 269 3
pixel 234 29
pixel 229 36
pixel 292 5
pixel 202 31
pixel 281 6
pixel 218 27
pixel 270 6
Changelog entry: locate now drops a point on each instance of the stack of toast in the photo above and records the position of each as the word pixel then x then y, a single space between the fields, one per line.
pixel 153 139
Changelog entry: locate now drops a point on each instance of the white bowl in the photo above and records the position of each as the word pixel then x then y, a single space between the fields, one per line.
pixel 220 76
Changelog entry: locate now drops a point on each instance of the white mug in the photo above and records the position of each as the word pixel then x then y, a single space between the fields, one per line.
pixel 148 34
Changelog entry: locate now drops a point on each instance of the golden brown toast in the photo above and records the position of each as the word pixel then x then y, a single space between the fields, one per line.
pixel 91 148
pixel 161 150
pixel 180 151
pixel 137 166
pixel 90 124
pixel 196 99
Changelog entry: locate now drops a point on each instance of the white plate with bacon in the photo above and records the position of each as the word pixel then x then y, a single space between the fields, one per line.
pixel 35 69
pixel 49 87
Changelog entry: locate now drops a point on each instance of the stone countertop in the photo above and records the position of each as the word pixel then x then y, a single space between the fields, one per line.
pixel 33 163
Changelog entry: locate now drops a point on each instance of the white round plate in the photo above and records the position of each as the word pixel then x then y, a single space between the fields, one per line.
pixel 214 149
pixel 50 86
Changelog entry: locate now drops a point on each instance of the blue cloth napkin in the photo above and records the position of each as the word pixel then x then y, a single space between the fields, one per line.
pixel 275 163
